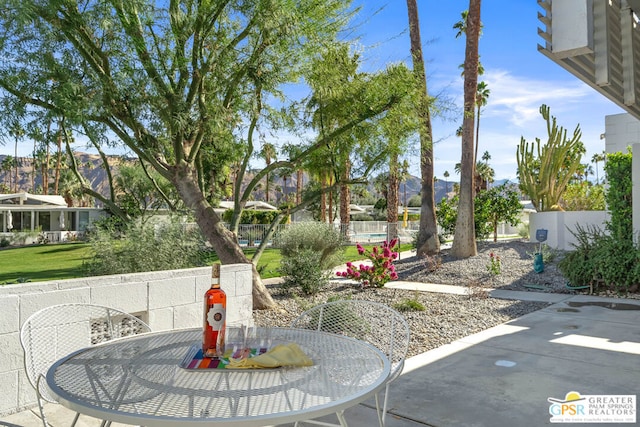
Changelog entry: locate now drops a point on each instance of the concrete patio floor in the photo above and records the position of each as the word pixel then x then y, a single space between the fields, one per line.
pixel 503 376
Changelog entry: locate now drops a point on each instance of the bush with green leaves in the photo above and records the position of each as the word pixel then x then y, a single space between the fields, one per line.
pixel 318 236
pixel 308 250
pixel 303 272
pixel 251 216
pixel 583 196
pixel 618 195
pixel 608 256
pixel 138 248
pixel 491 207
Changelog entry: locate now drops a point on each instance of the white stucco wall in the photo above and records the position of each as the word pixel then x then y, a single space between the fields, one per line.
pixel 560 224
pixel 164 299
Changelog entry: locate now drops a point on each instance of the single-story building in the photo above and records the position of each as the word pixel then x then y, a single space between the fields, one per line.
pixel 28 214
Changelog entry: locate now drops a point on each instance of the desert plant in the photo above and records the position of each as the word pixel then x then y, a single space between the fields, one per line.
pixel 410 304
pixel 308 250
pixel 545 170
pixel 494 267
pixel 304 272
pixel 319 237
pixel 139 248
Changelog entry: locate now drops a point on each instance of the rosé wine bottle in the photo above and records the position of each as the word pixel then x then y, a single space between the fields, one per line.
pixel 215 308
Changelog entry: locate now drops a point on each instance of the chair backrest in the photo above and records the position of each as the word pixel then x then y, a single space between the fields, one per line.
pixel 375 323
pixel 58 330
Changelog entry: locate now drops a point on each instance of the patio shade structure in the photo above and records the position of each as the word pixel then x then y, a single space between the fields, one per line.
pixel 599 43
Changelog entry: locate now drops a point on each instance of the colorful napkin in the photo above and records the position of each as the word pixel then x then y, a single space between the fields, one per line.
pixel 280 355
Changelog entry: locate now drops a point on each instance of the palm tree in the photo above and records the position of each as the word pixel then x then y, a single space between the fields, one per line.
pixel 464 242
pixel 461 25
pixel 446 181
pixel 482 96
pixel 268 153
pixel 17 132
pixel 7 167
pixel 598 157
pixel 483 171
pixel 485 175
pixel 428 242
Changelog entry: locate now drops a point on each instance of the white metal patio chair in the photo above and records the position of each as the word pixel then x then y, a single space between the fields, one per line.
pixel 58 330
pixel 372 322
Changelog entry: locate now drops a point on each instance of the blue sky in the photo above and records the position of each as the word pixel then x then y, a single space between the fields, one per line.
pixel 519 77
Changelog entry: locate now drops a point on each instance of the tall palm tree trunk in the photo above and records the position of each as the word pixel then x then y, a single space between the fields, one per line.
pixel 428 242
pixel 464 240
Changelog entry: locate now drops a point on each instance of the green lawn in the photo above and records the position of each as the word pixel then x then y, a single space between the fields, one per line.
pixel 64 261
pixel 42 262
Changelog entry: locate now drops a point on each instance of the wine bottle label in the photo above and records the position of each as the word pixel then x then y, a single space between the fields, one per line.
pixel 215 316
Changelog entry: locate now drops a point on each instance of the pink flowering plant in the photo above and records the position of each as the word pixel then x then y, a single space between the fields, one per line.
pixel 495 266
pixel 382 269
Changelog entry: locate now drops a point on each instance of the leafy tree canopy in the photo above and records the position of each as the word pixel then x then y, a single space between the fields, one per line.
pixel 187 86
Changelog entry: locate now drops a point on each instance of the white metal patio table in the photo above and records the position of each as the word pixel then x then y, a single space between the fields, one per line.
pixel 139 380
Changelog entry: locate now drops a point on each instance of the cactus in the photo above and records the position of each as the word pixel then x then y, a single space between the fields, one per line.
pixel 545 170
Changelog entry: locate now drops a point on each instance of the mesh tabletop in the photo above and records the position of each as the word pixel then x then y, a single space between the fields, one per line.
pixel 139 381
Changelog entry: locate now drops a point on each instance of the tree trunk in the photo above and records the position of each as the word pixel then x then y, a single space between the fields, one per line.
pixel 34 169
pixel 428 242
pixel 476 185
pixel 223 241
pixel 15 167
pixel 300 176
pixel 56 183
pixel 45 166
pixel 392 198
pixel 323 200
pixel 464 240
pixel 345 201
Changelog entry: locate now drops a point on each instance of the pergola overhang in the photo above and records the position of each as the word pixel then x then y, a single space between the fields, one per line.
pixel 598 41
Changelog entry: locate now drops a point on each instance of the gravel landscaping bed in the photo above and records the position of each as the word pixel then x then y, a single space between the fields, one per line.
pixel 516 259
pixel 446 317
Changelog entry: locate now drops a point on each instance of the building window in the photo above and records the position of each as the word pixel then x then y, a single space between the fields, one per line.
pixel 83 221
pixel 44 220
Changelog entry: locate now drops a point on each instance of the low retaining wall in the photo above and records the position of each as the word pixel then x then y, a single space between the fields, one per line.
pixel 559 226
pixel 164 299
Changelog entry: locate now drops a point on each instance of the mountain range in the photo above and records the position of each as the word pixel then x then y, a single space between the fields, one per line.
pixel 91 168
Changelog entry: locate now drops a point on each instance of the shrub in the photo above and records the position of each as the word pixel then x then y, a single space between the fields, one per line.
pixel 612 256
pixel 578 265
pixel 362 217
pixel 4 242
pixel 382 269
pixel 317 236
pixel 414 201
pixel 137 248
pixel 410 304
pixel 618 195
pixel 308 250
pixel 583 196
pixel 250 216
pixel 303 271
pixel 447 213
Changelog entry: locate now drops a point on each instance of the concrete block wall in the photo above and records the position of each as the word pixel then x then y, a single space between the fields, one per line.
pixel 170 299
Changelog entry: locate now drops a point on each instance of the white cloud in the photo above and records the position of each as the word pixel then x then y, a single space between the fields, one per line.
pixel 518 98
pixel 513 112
